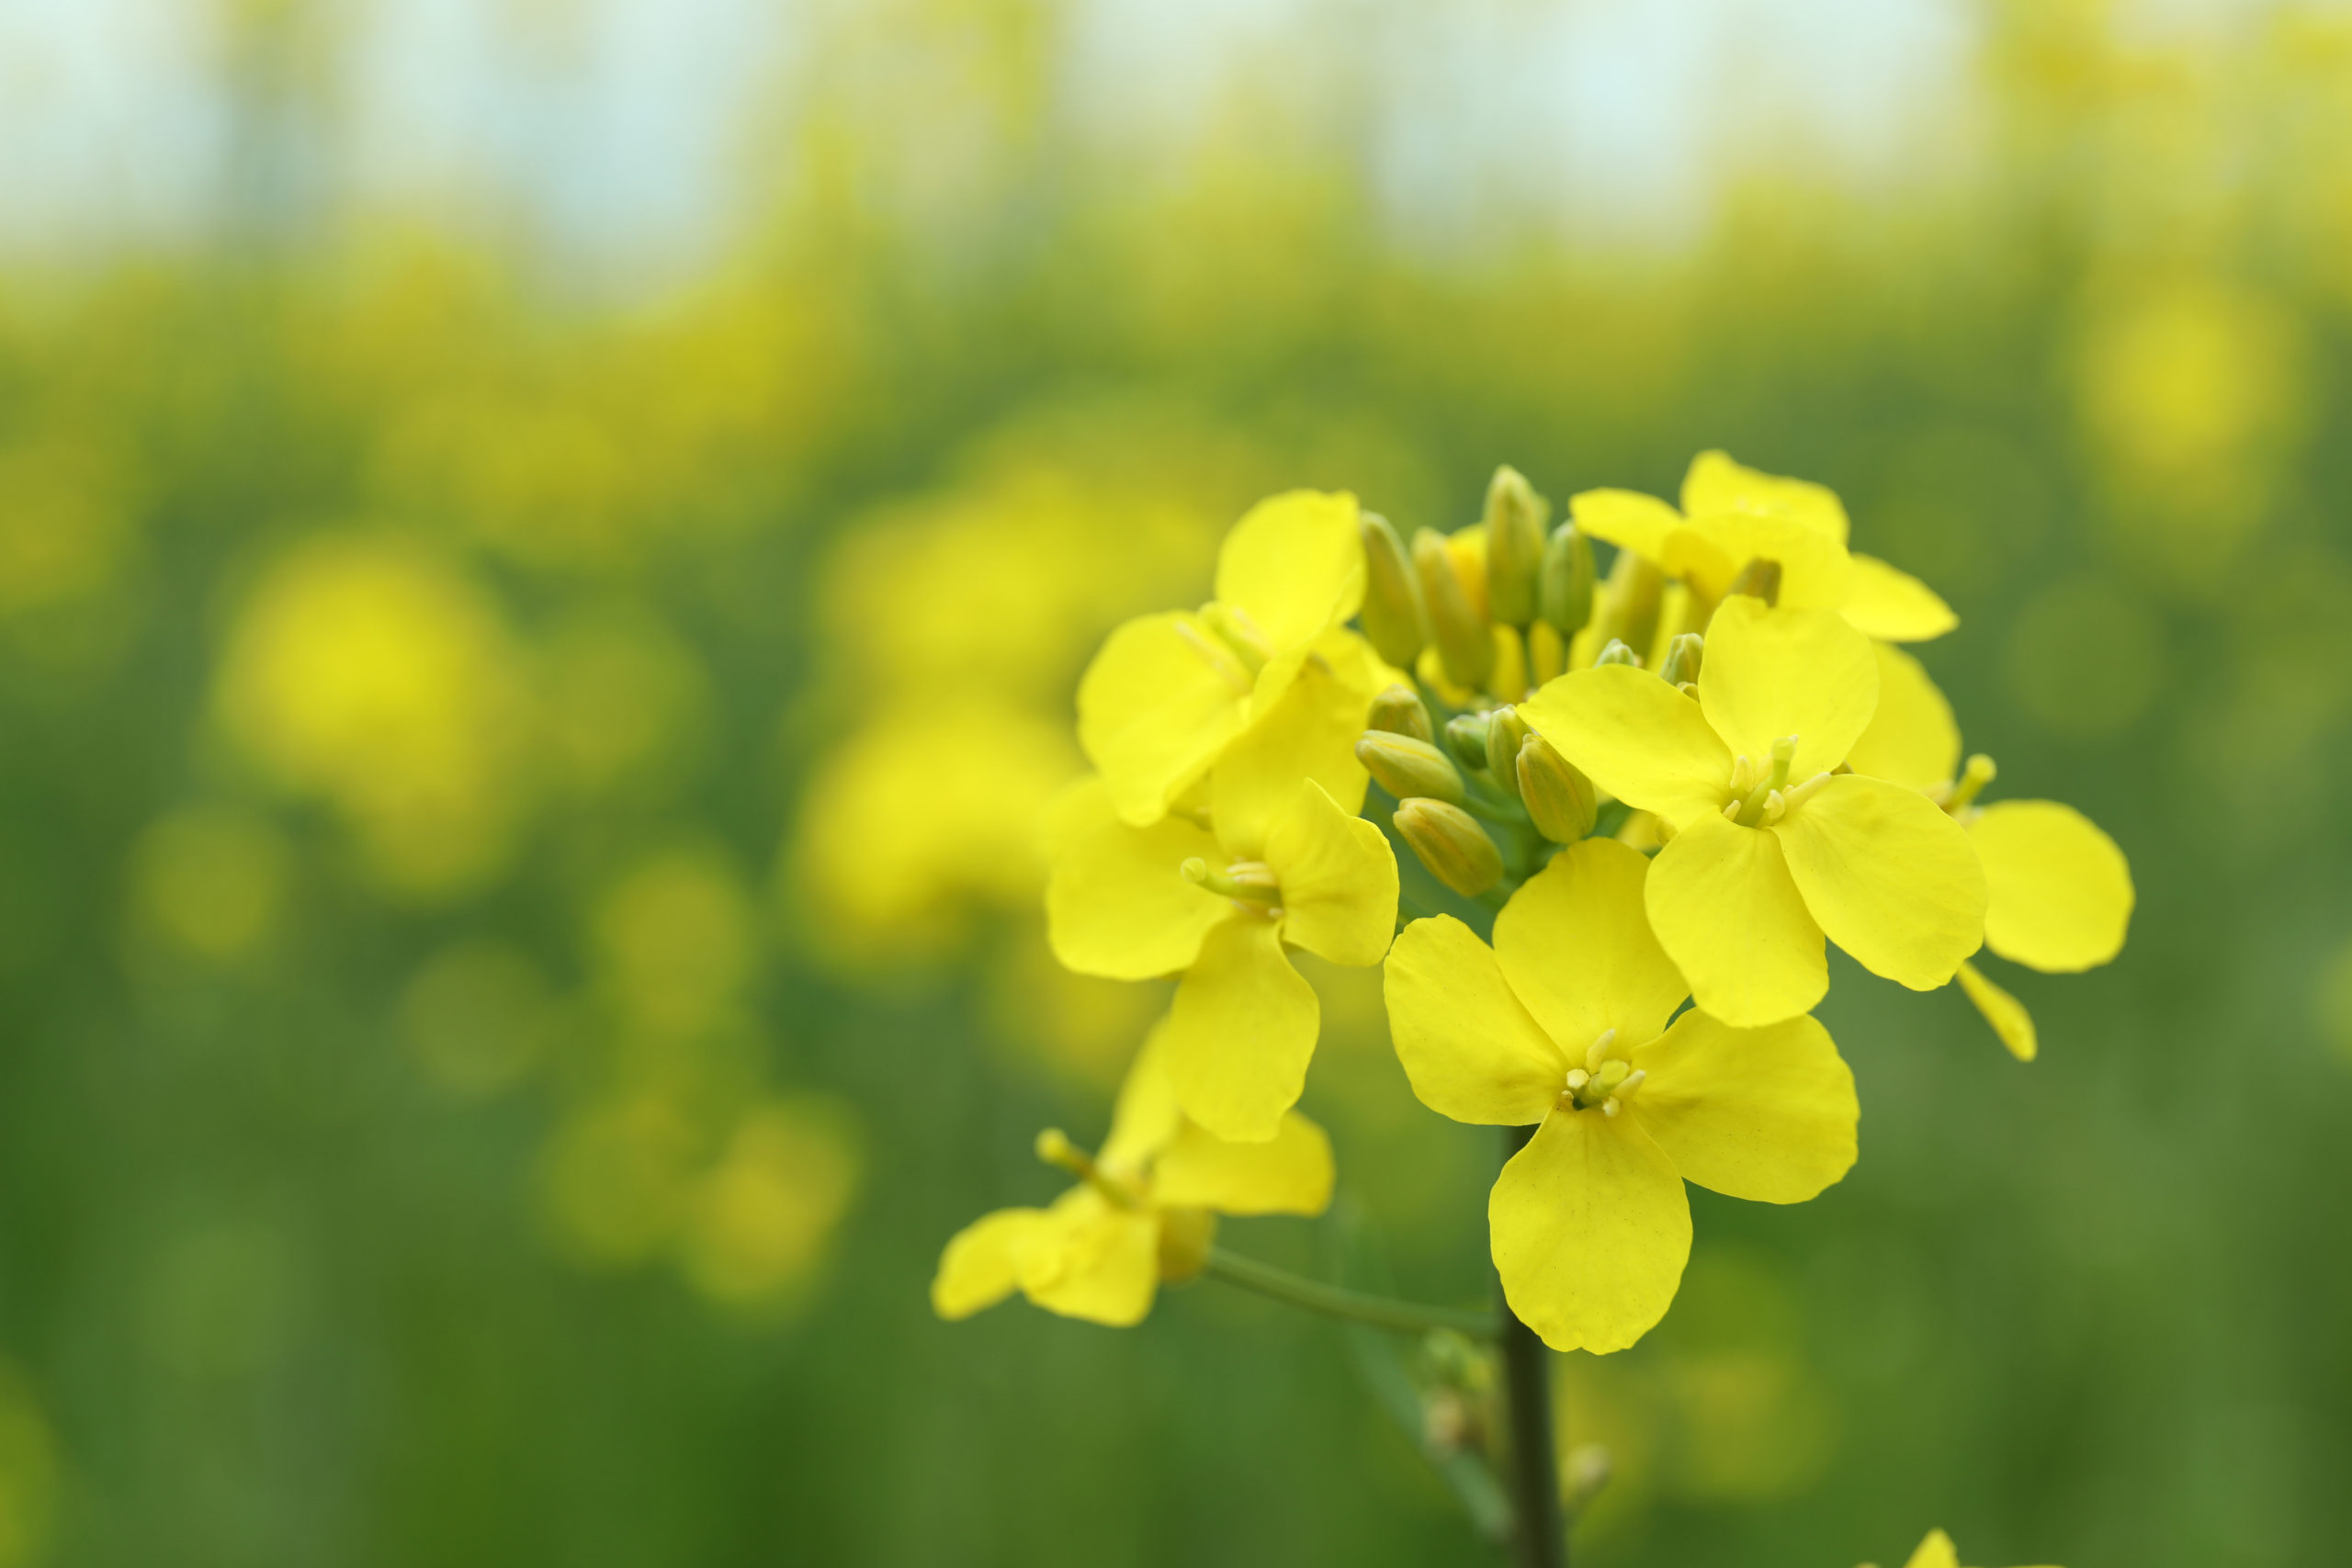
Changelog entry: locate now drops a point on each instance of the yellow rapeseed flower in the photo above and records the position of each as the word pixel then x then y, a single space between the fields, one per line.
pixel 1769 850
pixel 1563 1023
pixel 2058 890
pixel 1144 1209
pixel 1276 859
pixel 1733 515
pixel 1936 1551
pixel 1169 691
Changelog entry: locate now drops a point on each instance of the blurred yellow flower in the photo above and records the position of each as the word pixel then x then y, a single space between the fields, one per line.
pixel 212 880
pixel 763 1216
pixel 1167 692
pixel 371 672
pixel 1281 858
pixel 1768 850
pixel 1145 1210
pixel 29 1475
pixel 478 1016
pixel 1936 1551
pixel 1563 1024
pixel 674 941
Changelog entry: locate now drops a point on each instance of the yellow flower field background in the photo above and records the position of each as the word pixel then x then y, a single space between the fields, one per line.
pixel 523 748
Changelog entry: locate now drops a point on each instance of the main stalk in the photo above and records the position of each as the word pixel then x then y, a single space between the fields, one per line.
pixel 1539 1539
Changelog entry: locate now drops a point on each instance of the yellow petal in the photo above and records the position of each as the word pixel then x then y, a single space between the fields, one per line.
pixel 1575 944
pixel 981 1265
pixel 1769 673
pixel 1625 518
pixel 1470 1048
pixel 1710 552
pixel 1890 878
pixel 1912 737
pixel 1766 1114
pixel 1088 1257
pixel 1893 605
pixel 1635 737
pixel 1338 876
pixel 1936 1551
pixel 1117 903
pixel 1145 1119
pixel 1238 1038
pixel 1725 908
pixel 1310 732
pixel 2058 892
pixel 1294 565
pixel 1161 700
pixel 1590 1229
pixel 2003 1011
pixel 1290 1174
pixel 1716 484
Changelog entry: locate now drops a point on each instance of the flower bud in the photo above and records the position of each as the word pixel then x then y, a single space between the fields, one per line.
pixel 1449 841
pixel 1464 647
pixel 1394 619
pixel 1629 608
pixel 1558 799
pixel 1405 767
pixel 1509 678
pixel 1617 653
pixel 1465 736
pixel 1505 733
pixel 1547 654
pixel 1185 1237
pixel 1515 516
pixel 1563 583
pixel 1398 710
pixel 1682 657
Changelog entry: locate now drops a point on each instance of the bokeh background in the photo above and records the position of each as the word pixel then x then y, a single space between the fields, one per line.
pixel 545 547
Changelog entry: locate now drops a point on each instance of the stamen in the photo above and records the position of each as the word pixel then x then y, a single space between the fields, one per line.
pixel 1220 658
pixel 1751 808
pixel 1577 1079
pixel 1609 1106
pixel 1598 1052
pixel 1971 780
pixel 1796 797
pixel 1244 881
pixel 1056 1149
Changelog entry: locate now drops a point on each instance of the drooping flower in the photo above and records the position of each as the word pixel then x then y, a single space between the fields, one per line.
pixel 1563 1023
pixel 1144 1211
pixel 1770 850
pixel 1167 693
pixel 1733 517
pixel 2058 890
pixel 1274 857
pixel 1936 1551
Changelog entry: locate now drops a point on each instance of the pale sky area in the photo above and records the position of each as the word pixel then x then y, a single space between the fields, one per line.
pixel 616 129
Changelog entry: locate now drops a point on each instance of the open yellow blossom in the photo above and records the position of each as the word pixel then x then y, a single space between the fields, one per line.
pixel 1936 1551
pixel 1278 858
pixel 1144 1211
pixel 1770 851
pixel 1563 1023
pixel 1733 515
pixel 2058 890
pixel 1167 693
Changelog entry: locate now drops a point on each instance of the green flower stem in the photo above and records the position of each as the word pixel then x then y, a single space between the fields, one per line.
pixel 1332 1300
pixel 1530 1469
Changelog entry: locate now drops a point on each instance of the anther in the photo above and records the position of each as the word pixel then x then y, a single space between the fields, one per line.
pixel 1971 780
pixel 1577 1079
pixel 1598 1052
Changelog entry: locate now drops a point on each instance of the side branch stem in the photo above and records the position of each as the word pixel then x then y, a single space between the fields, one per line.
pixel 1332 1300
pixel 1532 1471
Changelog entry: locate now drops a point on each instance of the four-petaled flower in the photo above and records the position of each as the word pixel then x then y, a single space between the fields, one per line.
pixel 1277 859
pixel 1144 1211
pixel 1563 1023
pixel 1770 850
pixel 1167 692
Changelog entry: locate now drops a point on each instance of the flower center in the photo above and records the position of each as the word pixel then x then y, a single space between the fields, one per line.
pixel 1760 796
pixel 1604 1083
pixel 1250 884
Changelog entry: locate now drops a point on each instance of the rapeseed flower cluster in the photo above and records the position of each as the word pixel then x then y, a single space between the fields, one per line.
pixel 1631 806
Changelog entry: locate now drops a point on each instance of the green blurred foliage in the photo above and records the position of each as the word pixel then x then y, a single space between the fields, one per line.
pixel 517 899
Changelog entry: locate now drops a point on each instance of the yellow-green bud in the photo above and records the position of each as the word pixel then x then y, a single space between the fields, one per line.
pixel 1393 618
pixel 1405 767
pixel 1515 516
pixel 1558 799
pixel 1617 653
pixel 1185 1237
pixel 1563 585
pixel 1505 733
pixel 1629 609
pixel 1759 579
pixel 1682 658
pixel 1398 710
pixel 1449 841
pixel 1465 736
pixel 1464 647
